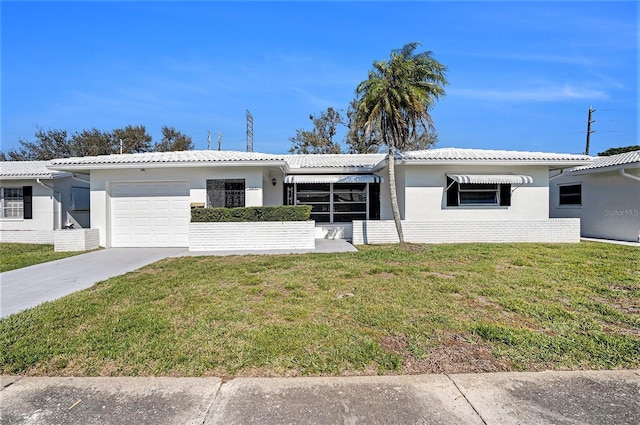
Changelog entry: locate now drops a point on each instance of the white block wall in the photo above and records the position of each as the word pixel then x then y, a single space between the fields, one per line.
pixel 266 235
pixel 562 230
pixel 76 239
pixel 27 236
pixel 334 231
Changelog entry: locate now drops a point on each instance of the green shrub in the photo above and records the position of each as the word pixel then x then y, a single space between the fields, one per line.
pixel 283 213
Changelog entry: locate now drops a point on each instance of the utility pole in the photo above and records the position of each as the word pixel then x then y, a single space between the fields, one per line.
pixel 219 141
pixel 589 131
pixel 209 140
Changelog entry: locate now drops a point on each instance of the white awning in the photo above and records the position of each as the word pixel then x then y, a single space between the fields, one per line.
pixel 333 178
pixel 491 178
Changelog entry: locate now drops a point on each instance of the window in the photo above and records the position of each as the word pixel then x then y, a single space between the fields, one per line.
pixel 570 194
pixel 349 202
pixel 16 202
pixel 319 197
pixel 477 194
pixel 80 199
pixel 336 202
pixel 228 193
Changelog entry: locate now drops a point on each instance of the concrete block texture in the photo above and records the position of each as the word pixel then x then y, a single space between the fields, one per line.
pixel 565 230
pixel 27 236
pixel 267 235
pixel 76 239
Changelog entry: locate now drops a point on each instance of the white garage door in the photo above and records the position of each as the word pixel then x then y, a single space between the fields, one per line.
pixel 154 214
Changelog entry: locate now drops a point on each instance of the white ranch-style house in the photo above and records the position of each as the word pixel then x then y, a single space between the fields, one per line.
pixel 444 195
pixel 35 201
pixel 604 195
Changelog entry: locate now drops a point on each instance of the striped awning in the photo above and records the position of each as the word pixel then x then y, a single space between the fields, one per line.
pixel 491 178
pixel 333 178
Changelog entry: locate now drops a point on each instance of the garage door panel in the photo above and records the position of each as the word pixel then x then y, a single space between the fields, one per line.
pixel 150 214
pixel 119 204
pixel 161 205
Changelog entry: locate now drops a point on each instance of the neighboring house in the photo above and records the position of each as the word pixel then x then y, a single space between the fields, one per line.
pixel 604 194
pixel 35 201
pixel 469 195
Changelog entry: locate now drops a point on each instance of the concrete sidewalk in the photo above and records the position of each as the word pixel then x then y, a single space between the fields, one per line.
pixel 584 397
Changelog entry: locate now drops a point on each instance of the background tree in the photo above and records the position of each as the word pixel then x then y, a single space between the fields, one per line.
pixel 616 151
pixel 358 139
pixel 320 140
pixel 50 144
pixel 395 100
pixel 173 140
pixel 90 143
pixel 134 139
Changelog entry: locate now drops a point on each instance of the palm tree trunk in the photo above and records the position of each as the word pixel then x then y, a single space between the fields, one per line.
pixel 392 193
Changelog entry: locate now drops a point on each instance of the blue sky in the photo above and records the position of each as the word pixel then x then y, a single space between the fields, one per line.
pixel 522 74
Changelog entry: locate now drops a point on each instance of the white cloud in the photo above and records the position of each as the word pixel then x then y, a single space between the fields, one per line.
pixel 539 94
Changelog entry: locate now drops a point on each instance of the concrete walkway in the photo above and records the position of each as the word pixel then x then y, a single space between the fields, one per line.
pixel 611 241
pixel 584 397
pixel 27 287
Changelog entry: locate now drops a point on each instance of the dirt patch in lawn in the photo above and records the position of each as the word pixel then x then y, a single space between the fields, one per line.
pixel 454 354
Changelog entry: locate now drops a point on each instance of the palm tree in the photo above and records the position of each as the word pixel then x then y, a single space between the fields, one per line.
pixel 396 99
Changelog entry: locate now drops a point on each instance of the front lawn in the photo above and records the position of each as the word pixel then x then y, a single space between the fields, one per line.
pixel 18 255
pixel 383 310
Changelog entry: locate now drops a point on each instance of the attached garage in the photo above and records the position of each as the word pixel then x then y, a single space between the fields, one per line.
pixel 150 214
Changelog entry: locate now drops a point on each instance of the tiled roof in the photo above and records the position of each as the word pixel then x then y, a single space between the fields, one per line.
pixel 168 158
pixel 456 154
pixel 302 163
pixel 612 161
pixel 27 170
pixel 369 161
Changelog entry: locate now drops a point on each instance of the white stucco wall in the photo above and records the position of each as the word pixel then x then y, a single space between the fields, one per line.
pixel 385 197
pixel 197 178
pixel 425 195
pixel 42 207
pixel 272 194
pixel 610 205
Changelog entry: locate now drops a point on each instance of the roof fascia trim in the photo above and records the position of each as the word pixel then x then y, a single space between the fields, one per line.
pixel 114 166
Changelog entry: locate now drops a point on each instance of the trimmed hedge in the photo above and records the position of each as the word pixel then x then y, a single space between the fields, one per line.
pixel 284 213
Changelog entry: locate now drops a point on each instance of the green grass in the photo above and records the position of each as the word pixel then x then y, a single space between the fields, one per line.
pixel 382 310
pixel 17 255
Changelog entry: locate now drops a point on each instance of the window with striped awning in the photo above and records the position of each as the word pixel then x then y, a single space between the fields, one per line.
pixel 491 178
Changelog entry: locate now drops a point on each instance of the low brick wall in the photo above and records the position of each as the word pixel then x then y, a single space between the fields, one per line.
pixel 238 236
pixel 560 230
pixel 76 239
pixel 334 231
pixel 27 236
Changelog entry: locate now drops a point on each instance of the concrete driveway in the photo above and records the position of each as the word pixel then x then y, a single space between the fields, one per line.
pixel 27 287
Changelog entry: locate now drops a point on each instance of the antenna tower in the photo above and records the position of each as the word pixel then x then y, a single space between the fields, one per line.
pixel 589 131
pixel 249 132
